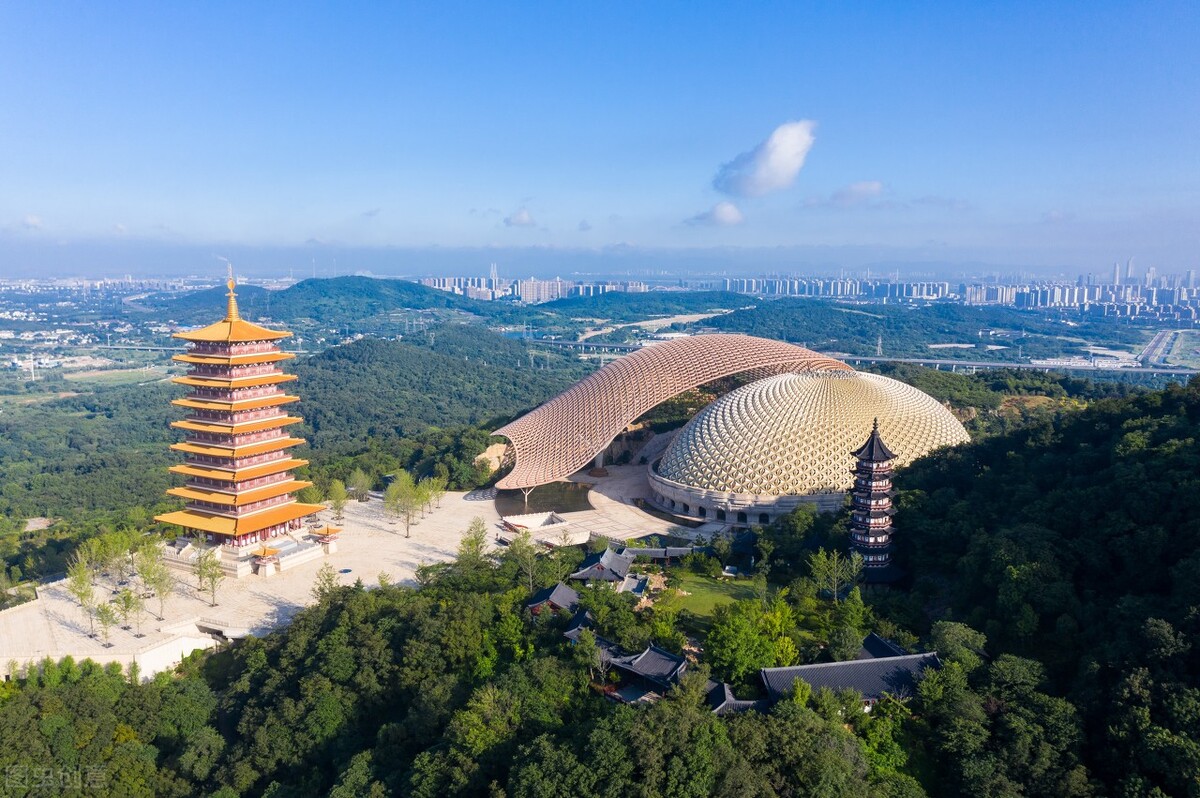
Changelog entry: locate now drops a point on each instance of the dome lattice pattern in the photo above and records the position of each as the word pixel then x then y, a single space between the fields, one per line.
pixel 791 435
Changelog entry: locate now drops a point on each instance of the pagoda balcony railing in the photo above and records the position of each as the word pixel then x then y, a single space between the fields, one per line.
pixel 236 440
pixel 223 417
pixel 235 395
pixel 239 512
pixel 241 462
pixel 872 504
pixel 257 348
pixel 872 482
pixel 876 540
pixel 874 468
pixel 203 483
pixel 234 372
pixel 859 518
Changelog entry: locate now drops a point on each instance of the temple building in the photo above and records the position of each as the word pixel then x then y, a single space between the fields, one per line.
pixel 239 488
pixel 871 508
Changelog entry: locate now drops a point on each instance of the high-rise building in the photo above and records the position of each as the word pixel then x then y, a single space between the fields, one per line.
pixel 238 484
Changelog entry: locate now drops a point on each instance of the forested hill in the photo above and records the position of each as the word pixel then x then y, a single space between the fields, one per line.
pixel 464 375
pixel 619 306
pixel 1074 541
pixel 907 330
pixel 334 300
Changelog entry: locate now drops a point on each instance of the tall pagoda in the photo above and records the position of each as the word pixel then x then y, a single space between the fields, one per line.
pixel 871 509
pixel 239 488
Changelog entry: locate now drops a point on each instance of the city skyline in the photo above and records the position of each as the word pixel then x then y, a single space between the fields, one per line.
pixel 554 140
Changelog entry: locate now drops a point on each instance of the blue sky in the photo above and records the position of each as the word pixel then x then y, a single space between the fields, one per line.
pixel 1032 135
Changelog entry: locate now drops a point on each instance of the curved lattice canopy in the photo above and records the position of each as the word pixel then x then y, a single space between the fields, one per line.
pixel 565 434
pixel 793 434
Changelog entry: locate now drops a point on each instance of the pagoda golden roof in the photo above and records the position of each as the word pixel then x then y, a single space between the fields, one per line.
pixel 242 525
pixel 233 328
pixel 241 450
pixel 233 360
pixel 239 499
pixel 240 428
pixel 237 474
pixel 250 381
pixel 236 405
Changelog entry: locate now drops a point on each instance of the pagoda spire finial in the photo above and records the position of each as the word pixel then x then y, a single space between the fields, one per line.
pixel 231 311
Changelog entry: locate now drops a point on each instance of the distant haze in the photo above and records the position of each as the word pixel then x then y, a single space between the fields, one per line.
pixel 100 259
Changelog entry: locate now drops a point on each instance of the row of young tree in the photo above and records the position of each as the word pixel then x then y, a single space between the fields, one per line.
pixel 126 568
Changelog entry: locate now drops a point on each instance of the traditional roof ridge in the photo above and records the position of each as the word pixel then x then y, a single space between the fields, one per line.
pixel 849 662
pixel 874 450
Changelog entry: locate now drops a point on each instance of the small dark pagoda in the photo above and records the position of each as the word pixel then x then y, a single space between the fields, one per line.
pixel 871 509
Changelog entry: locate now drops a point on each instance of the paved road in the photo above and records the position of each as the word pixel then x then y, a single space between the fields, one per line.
pixel 1159 347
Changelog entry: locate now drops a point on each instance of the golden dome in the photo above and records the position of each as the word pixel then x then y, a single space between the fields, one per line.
pixel 793 434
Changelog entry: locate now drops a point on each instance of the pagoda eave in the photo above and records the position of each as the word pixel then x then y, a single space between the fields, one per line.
pixel 244 525
pixel 234 383
pixel 237 474
pixel 235 406
pixel 240 499
pixel 240 428
pixel 246 450
pixel 252 359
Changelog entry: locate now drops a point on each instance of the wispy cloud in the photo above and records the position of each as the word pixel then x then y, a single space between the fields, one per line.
pixel 584 225
pixel 32 222
pixel 771 166
pixel 371 214
pixel 862 193
pixel 521 217
pixel 723 214
pixel 857 193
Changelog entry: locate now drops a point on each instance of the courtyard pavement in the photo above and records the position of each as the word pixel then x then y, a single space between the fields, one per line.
pixel 371 543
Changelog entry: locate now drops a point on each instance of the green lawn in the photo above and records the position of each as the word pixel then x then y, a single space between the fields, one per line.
pixel 705 594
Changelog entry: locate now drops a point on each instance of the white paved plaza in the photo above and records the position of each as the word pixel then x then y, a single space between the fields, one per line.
pixel 371 543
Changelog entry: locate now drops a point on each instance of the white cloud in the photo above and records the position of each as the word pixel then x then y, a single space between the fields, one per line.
pixel 120 229
pixel 32 222
pixel 520 218
pixel 856 193
pixel 723 214
pixel 771 166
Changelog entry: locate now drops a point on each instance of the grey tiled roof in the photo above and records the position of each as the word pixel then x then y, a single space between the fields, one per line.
pixel 873 678
pixel 876 647
pixel 606 565
pixel 659 666
pixel 559 595
pixel 720 699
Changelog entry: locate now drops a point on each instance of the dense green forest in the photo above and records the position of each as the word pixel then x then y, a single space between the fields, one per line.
pixel 1073 540
pixel 907 330
pixel 452 689
pixel 1052 567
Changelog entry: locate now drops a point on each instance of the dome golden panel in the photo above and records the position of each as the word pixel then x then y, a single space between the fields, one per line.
pixel 792 434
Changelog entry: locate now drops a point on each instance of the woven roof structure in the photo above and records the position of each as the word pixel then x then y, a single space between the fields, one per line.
pixel 793 434
pixel 565 434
